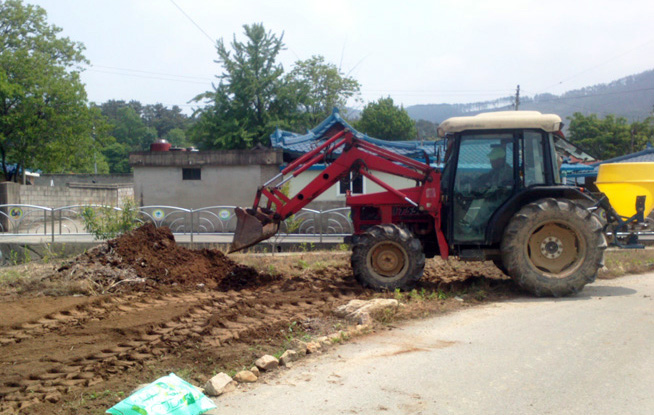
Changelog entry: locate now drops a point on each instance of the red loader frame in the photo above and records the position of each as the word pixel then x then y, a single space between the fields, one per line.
pixel 417 208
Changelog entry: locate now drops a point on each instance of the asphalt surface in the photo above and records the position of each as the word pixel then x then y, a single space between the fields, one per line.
pixel 590 354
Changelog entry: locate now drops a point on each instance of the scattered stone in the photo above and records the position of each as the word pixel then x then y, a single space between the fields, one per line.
pixel 457 298
pixel 246 376
pixel 362 311
pixel 356 330
pixel 288 357
pixel 267 362
pixel 219 384
pixel 299 346
pixel 255 370
pixel 313 347
pixel 338 337
pixel 324 341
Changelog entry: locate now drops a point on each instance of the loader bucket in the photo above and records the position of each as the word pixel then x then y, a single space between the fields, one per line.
pixel 250 229
pixel 622 182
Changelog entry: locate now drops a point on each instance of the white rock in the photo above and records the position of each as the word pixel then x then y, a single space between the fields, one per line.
pixel 324 341
pixel 299 346
pixel 362 312
pixel 288 357
pixel 267 362
pixel 219 384
pixel 246 376
pixel 313 347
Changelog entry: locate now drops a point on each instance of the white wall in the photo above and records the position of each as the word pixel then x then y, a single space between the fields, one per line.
pixel 220 185
pixel 331 196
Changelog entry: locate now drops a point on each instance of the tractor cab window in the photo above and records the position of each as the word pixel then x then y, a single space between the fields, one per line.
pixel 534 158
pixel 484 179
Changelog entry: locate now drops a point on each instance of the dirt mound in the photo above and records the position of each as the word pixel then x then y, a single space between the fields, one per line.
pixel 148 257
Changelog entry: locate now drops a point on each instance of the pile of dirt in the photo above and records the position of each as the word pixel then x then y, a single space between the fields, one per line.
pixel 149 258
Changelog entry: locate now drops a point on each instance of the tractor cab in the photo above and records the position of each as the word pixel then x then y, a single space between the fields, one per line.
pixel 493 161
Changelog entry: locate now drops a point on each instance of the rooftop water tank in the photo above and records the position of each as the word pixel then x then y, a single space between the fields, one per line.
pixel 160 145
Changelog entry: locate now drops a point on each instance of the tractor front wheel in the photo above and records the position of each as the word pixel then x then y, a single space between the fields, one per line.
pixel 387 257
pixel 553 247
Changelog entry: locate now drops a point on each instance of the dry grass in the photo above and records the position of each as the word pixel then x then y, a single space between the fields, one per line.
pixel 294 264
pixel 619 262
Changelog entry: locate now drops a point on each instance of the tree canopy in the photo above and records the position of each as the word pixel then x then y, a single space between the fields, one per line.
pixel 45 122
pixel 611 136
pixel 134 126
pixel 315 88
pixel 240 108
pixel 384 120
pixel 253 95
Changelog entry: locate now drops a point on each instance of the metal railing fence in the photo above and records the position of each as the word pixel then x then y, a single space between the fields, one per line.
pixel 18 219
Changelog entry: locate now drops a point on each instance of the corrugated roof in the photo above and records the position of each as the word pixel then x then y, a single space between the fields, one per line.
pixel 590 170
pixel 646 155
pixel 297 144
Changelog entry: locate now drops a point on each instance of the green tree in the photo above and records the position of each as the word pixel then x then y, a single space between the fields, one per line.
pixel 117 156
pixel 384 120
pixel 177 137
pixel 239 112
pixel 314 87
pixel 43 104
pixel 608 137
pixel 427 130
pixel 164 120
pixel 130 129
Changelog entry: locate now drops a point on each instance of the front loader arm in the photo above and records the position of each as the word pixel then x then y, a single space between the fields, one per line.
pixel 260 223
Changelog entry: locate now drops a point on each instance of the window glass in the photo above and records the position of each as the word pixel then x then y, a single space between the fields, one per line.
pixel 555 161
pixel 483 181
pixel 191 174
pixel 534 158
pixel 355 186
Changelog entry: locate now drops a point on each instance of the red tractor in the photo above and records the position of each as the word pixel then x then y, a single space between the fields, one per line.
pixel 498 197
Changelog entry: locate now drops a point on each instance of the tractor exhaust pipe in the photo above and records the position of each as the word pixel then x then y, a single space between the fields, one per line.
pixel 252 227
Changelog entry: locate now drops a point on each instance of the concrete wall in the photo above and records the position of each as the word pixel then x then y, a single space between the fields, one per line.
pixel 63 180
pixel 226 185
pixel 55 197
pixel 9 192
pixel 227 177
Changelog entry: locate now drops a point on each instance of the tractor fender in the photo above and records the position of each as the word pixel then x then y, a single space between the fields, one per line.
pixel 500 219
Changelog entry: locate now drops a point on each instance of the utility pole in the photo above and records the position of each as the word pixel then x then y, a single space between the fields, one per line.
pixel 517 98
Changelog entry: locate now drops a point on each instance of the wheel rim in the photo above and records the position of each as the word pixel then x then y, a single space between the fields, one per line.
pixel 556 248
pixel 388 260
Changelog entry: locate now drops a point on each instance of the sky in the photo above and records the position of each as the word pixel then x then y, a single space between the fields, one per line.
pixel 417 52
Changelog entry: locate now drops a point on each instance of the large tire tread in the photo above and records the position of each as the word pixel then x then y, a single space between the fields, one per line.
pixel 363 243
pixel 516 236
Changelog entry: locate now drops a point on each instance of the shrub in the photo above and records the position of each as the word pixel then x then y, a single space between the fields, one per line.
pixel 108 222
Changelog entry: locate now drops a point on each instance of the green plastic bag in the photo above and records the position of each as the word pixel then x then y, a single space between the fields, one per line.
pixel 169 395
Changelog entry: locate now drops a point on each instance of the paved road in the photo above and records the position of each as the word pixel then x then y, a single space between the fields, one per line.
pixel 591 354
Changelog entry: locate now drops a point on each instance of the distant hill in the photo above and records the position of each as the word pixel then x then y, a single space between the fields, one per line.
pixel 631 97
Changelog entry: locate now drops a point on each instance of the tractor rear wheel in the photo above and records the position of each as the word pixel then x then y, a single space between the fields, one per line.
pixel 553 247
pixel 387 257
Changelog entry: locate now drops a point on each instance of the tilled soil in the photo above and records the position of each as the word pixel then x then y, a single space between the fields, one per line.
pixel 150 307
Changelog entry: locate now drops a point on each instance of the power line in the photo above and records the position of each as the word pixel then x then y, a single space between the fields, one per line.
pixel 597 65
pixel 149 72
pixel 597 94
pixel 192 21
pixel 158 78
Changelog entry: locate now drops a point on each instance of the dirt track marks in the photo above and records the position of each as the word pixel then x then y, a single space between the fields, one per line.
pixel 84 345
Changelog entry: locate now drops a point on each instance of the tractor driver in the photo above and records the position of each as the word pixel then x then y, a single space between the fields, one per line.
pixel 501 174
pixel 488 191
